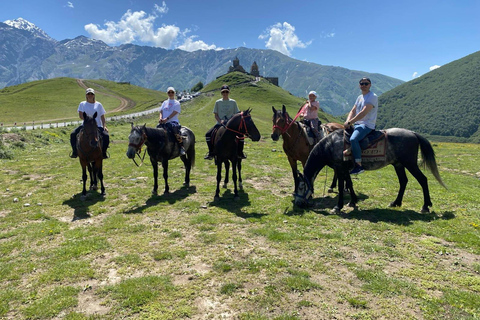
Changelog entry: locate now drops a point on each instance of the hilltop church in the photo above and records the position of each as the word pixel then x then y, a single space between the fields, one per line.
pixel 253 71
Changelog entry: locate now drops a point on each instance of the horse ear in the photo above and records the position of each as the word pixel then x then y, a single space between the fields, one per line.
pixel 94 115
pixel 284 110
pixel 131 124
pixel 84 115
pixel 274 110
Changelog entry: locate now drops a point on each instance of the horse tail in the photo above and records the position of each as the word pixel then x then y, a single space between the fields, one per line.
pixel 428 156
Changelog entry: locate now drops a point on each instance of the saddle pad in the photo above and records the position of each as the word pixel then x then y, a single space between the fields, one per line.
pixel 311 140
pixel 375 152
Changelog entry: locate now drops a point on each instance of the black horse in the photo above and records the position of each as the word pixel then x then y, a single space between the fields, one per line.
pixel 225 141
pixel 89 150
pixel 402 152
pixel 162 146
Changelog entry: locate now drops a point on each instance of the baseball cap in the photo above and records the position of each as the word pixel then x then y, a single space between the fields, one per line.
pixel 89 90
pixel 171 89
pixel 225 88
pixel 365 78
pixel 313 92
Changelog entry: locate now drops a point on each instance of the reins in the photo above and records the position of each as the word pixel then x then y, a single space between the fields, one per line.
pixel 138 148
pixel 287 123
pixel 242 125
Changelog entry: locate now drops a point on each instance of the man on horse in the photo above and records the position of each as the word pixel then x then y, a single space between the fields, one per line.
pixel 90 106
pixel 363 117
pixel 224 109
pixel 168 118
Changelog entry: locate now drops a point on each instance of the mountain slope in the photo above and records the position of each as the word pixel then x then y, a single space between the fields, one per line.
pixel 444 102
pixel 27 57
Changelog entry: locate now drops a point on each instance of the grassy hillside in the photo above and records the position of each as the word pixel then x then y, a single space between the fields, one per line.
pixel 137 256
pixel 58 99
pixel 444 103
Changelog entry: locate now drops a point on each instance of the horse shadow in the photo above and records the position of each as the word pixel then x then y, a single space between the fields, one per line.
pixel 81 207
pixel 169 198
pixel 227 203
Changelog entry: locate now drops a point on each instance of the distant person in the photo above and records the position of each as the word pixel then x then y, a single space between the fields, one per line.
pixel 310 113
pixel 90 106
pixel 224 109
pixel 363 117
pixel 168 118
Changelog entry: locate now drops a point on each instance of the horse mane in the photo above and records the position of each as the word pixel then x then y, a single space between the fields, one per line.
pixel 153 133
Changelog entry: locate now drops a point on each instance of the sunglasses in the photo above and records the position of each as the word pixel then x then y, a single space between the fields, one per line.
pixel 90 94
pixel 364 83
pixel 170 92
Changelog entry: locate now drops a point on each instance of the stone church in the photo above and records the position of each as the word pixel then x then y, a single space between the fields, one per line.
pixel 253 71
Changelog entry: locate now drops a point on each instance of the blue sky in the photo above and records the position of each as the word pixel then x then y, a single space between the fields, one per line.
pixel 401 39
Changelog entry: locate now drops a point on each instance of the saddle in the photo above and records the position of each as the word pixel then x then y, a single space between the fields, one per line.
pixel 308 132
pixel 373 146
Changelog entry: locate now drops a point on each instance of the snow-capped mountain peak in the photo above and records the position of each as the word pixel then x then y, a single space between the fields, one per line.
pixel 23 24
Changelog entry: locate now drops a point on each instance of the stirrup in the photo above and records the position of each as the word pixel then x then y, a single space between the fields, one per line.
pixel 208 156
pixel 73 155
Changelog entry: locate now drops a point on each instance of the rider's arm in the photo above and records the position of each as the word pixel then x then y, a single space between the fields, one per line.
pixel 104 122
pixel 80 114
pixel 217 118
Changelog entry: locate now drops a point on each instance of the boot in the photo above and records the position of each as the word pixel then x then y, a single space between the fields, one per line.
pixel 180 144
pixel 74 153
pixel 240 153
pixel 209 155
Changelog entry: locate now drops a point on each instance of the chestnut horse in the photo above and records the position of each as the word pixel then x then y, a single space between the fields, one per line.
pixel 89 149
pixel 295 143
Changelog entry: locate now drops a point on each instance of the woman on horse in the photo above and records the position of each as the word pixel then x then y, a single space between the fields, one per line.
pixel 363 117
pixel 224 109
pixel 90 106
pixel 169 112
pixel 310 113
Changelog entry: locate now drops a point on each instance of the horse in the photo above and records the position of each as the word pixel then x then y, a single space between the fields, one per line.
pixel 401 151
pixel 295 144
pixel 225 141
pixel 162 146
pixel 89 150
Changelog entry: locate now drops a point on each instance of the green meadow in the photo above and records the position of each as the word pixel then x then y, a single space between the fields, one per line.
pixel 132 255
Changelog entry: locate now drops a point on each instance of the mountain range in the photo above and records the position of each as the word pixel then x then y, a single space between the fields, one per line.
pixel 28 54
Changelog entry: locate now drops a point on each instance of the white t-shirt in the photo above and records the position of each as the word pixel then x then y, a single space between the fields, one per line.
pixel 91 108
pixel 371 118
pixel 167 108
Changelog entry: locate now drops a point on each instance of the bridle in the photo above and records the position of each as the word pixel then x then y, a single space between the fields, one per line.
pixel 138 147
pixel 308 191
pixel 87 135
pixel 241 126
pixel 288 122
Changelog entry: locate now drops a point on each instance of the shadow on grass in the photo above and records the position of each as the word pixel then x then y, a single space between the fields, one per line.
pixel 227 202
pixel 321 205
pixel 169 198
pixel 81 207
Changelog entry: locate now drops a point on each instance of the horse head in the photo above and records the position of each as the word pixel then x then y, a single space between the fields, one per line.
pixel 281 122
pixel 304 191
pixel 251 130
pixel 136 139
pixel 90 129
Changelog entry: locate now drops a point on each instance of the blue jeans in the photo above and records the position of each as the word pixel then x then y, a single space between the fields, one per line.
pixel 358 134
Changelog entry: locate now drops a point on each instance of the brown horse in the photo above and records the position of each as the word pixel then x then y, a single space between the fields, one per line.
pixel 295 143
pixel 89 149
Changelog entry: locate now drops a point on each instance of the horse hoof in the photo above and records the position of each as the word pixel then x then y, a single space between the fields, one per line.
pixel 154 192
pixel 83 197
pixel 166 193
pixel 393 205
pixel 352 205
pixel 330 190
pixel 216 198
pixel 335 210
pixel 186 184
pixel 425 210
pixel 224 186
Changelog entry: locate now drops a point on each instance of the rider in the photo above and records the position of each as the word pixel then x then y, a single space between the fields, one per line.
pixel 224 109
pixel 310 113
pixel 363 116
pixel 169 112
pixel 90 106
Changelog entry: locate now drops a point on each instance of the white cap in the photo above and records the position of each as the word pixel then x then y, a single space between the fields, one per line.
pixel 89 90
pixel 314 93
pixel 171 89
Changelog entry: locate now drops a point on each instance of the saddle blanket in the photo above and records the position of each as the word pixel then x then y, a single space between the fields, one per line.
pixel 375 152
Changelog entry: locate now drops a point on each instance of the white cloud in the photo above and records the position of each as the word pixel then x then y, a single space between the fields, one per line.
pixel 138 26
pixel 415 75
pixel 70 5
pixel 434 67
pixel 282 37
pixel 191 45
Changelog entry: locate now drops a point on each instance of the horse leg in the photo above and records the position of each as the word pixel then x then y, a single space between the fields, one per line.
pixel 227 173
pixel 165 176
pixel 100 177
pixel 403 180
pixel 234 178
pixel 219 178
pixel 334 182
pixel 93 177
pixel 239 168
pixel 341 185
pixel 422 179
pixel 188 167
pixel 155 177
pixel 293 166
pixel 353 196
pixel 84 179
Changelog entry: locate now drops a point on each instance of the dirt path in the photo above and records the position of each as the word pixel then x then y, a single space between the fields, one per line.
pixel 125 103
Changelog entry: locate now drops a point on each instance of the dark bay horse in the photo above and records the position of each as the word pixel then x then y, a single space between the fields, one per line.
pixel 225 142
pixel 162 147
pixel 295 143
pixel 89 150
pixel 401 151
